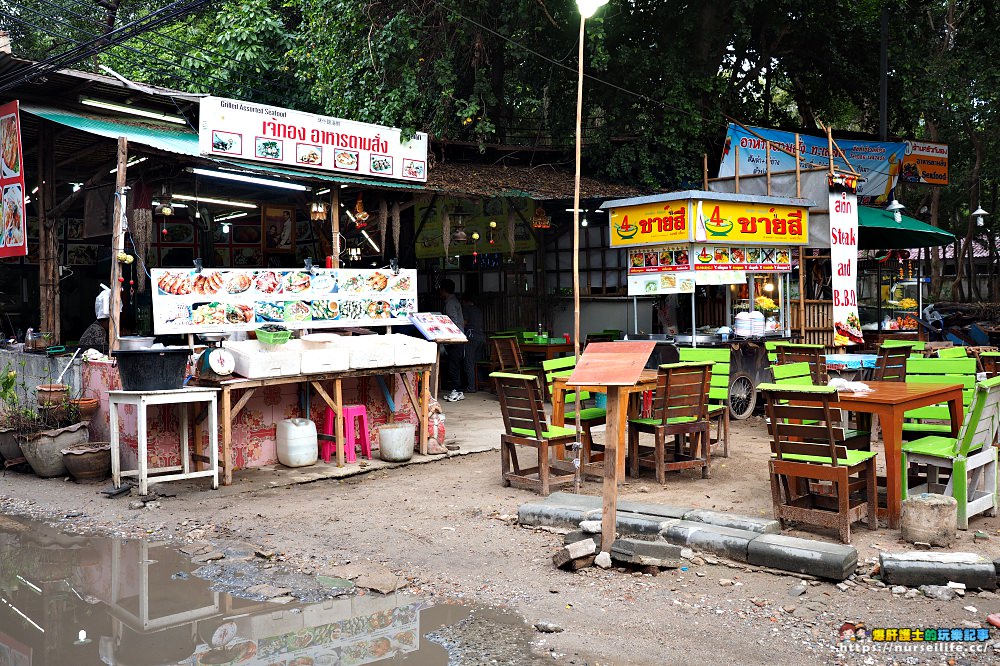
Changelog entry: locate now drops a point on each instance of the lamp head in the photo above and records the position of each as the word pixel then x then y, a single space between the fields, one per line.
pixel 589 7
pixel 979 214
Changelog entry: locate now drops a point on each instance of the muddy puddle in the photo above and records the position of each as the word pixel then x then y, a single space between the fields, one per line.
pixel 72 600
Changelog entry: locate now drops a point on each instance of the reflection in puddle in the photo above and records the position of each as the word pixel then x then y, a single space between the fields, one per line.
pixel 67 600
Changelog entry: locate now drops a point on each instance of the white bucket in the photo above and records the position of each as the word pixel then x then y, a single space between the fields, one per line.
pixel 395 441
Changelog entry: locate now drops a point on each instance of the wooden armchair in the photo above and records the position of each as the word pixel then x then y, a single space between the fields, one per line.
pixel 891 364
pixel 680 409
pixel 507 353
pixel 807 448
pixel 814 355
pixel 524 425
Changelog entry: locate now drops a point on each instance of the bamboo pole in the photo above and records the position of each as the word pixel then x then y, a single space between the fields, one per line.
pixel 802 293
pixel 117 245
pixel 829 143
pixel 704 171
pixel 767 157
pixel 736 171
pixel 798 169
pixel 576 260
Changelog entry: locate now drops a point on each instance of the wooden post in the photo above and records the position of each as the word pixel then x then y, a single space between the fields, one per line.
pixel 767 156
pixel 829 146
pixel 736 171
pixel 798 173
pixel 48 237
pixel 802 293
pixel 704 171
pixel 117 245
pixel 335 238
pixel 612 444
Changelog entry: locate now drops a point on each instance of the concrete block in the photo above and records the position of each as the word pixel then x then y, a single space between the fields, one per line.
pixel 537 514
pixel 736 521
pixel 580 535
pixel 725 541
pixel 817 558
pixel 574 551
pixel 914 569
pixel 646 553
pixel 655 510
pixel 929 518
pixel 574 500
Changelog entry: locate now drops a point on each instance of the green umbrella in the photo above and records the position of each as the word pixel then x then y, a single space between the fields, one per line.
pixel 877 230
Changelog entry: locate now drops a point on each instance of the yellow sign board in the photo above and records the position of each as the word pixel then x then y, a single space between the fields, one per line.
pixel 735 222
pixel 648 224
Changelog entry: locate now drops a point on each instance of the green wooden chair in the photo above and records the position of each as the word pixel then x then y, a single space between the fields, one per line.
pixel 801 374
pixel 771 347
pixel 970 458
pixel 936 419
pixel 916 345
pixel 809 459
pixel 718 393
pixel 953 352
pixel 507 353
pixel 591 462
pixel 814 355
pixel 680 410
pixel 524 425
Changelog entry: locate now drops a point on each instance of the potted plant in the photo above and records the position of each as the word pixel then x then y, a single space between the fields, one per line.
pixel 10 450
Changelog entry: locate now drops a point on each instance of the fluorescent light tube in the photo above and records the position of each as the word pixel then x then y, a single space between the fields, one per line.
pixel 230 216
pixel 221 202
pixel 135 111
pixel 254 180
pixel 130 163
pixel 370 241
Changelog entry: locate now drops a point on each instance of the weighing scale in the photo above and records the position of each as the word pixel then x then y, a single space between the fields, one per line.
pixel 215 363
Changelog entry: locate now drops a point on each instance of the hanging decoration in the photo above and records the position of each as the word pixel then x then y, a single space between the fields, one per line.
pixel 445 230
pixel 317 211
pixel 360 216
pixel 383 218
pixel 540 220
pixel 395 227
pixel 475 247
pixel 493 225
pixel 142 233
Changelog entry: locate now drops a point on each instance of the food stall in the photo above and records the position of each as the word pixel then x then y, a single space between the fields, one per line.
pixel 734 252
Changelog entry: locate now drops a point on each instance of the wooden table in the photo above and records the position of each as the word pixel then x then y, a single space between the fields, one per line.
pixel 182 398
pixel 550 349
pixel 229 411
pixel 890 400
pixel 647 382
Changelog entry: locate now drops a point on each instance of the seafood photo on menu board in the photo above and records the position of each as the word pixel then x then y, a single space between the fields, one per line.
pixel 10 162
pixel 13 217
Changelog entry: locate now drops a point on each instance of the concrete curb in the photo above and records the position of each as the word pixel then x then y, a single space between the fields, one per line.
pixel 930 568
pixel 736 537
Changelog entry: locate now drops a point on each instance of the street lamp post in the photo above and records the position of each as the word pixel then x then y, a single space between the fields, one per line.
pixel 587 9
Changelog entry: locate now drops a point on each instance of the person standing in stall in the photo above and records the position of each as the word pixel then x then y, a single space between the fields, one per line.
pixel 475 331
pixel 453 353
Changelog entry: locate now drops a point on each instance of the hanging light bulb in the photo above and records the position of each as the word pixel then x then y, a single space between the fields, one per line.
pixel 225 227
pixel 583 222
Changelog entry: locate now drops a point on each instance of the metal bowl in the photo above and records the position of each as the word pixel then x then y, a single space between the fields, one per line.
pixel 701 339
pixel 214 337
pixel 133 342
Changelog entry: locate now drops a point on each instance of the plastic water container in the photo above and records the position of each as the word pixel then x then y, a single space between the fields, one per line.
pixel 297 443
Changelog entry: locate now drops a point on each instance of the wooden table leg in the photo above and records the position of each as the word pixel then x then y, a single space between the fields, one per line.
pixel 891 421
pixel 227 436
pixel 613 445
pixel 955 409
pixel 558 405
pixel 425 407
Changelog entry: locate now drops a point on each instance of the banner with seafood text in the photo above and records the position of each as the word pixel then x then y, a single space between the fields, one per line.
pixel 186 301
pixel 13 237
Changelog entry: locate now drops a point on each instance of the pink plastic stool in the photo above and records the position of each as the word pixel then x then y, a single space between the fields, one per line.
pixel 351 412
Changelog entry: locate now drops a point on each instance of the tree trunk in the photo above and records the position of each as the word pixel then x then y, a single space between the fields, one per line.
pixel 966 245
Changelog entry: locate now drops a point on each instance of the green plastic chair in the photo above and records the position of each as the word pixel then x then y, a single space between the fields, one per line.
pixel 589 416
pixel 936 419
pixel 953 352
pixel 970 458
pixel 718 393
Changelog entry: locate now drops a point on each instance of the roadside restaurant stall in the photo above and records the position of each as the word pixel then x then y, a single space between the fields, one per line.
pixel 723 262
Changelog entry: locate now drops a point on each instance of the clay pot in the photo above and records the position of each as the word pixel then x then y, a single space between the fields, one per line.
pixel 9 448
pixel 89 461
pixel 43 450
pixel 86 406
pixel 51 394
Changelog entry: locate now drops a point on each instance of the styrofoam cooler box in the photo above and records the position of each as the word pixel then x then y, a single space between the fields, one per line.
pixel 370 351
pixel 331 357
pixel 413 351
pixel 253 361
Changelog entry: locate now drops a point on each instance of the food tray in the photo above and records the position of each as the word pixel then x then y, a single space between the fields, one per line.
pixel 273 338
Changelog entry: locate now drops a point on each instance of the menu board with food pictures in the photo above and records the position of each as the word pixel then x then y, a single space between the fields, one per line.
pixel 741 258
pixel 659 259
pixel 186 301
pixel 437 327
pixel 13 235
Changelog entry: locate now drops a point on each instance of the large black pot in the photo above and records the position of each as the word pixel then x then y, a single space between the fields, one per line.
pixel 152 369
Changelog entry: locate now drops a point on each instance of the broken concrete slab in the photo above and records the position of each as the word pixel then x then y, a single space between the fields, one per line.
pixel 574 551
pixel 350 571
pixel 736 521
pixel 379 579
pixel 725 541
pixel 267 591
pixel 646 553
pixel 580 535
pixel 817 558
pixel 932 568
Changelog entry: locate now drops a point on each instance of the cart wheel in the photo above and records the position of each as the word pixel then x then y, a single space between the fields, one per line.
pixel 742 397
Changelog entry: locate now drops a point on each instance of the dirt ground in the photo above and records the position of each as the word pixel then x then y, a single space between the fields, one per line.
pixel 450 528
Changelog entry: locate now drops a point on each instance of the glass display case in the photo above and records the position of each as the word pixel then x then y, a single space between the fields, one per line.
pixel 889 296
pixel 766 293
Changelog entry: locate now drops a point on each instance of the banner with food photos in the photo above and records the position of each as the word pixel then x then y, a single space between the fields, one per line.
pixel 224 299
pixel 13 235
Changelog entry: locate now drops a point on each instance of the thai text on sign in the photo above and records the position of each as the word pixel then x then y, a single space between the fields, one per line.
pixel 727 222
pixel 645 224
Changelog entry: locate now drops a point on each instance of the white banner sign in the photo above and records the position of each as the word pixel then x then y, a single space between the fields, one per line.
pixel 244 299
pixel 844 262
pixel 244 130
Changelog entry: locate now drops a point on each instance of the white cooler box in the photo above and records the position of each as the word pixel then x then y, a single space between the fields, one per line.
pixel 413 351
pixel 370 351
pixel 331 357
pixel 253 361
